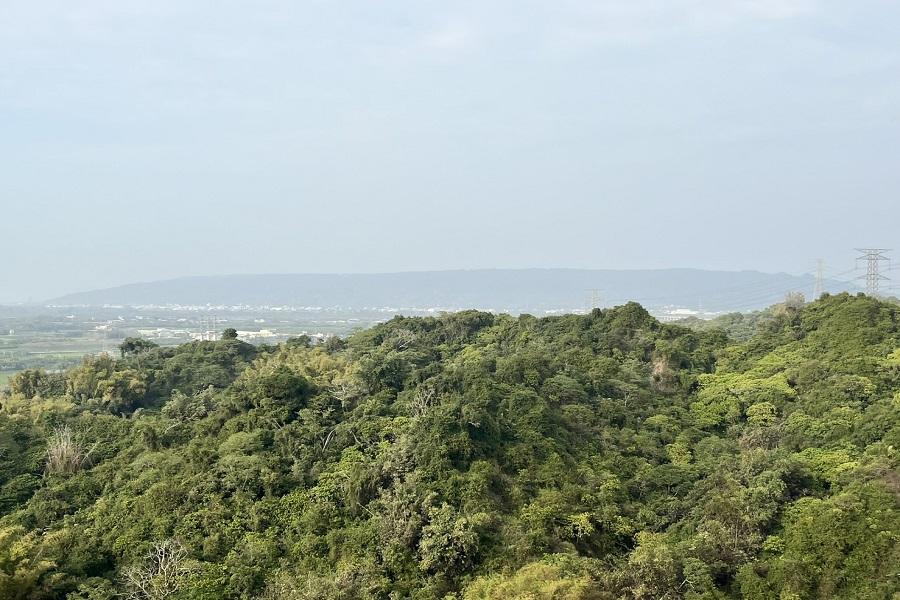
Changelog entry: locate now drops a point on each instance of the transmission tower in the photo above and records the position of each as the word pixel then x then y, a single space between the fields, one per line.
pixel 596 296
pixel 873 257
pixel 820 279
pixel 208 328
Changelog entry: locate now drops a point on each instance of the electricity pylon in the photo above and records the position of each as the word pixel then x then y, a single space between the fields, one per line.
pixel 873 257
pixel 820 279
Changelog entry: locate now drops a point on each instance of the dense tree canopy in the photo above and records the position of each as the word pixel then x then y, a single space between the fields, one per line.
pixel 468 456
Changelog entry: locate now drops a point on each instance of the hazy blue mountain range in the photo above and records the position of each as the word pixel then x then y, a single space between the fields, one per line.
pixel 514 290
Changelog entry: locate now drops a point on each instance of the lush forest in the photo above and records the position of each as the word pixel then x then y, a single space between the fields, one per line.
pixel 468 456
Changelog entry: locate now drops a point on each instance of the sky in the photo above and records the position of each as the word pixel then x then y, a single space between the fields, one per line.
pixel 150 139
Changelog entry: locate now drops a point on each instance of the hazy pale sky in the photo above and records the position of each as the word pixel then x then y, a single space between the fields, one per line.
pixel 150 139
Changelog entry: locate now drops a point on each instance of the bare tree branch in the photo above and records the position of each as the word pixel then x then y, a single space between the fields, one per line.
pixel 160 574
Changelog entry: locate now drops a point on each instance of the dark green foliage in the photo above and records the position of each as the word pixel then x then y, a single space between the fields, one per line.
pixel 133 346
pixel 472 456
pixel 37 382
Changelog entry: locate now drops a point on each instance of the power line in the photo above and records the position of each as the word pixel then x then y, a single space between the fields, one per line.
pixel 873 257
pixel 754 299
pixel 761 287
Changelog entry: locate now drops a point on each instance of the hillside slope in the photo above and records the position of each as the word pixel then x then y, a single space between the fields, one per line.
pixel 470 456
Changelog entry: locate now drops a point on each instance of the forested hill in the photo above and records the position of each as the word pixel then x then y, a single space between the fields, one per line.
pixel 508 290
pixel 469 456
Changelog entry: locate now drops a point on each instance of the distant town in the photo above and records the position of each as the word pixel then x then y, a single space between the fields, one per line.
pixel 55 337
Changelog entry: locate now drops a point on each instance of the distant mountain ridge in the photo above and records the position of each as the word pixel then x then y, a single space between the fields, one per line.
pixel 510 290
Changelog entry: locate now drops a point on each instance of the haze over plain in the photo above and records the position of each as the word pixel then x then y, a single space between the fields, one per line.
pixel 151 140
